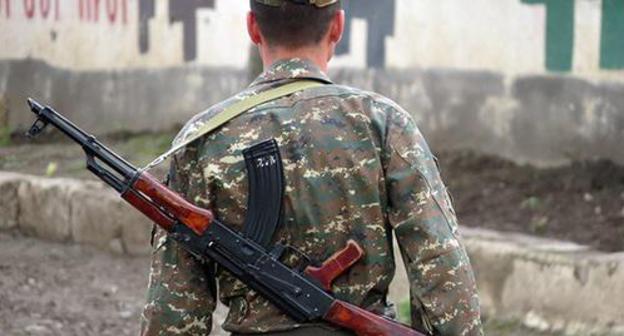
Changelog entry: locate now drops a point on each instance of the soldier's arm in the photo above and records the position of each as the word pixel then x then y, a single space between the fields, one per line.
pixel 181 294
pixel 442 285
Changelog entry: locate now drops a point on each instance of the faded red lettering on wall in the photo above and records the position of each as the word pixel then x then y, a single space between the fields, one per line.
pixel 5 6
pixel 32 9
pixel 93 11
pixel 111 10
pixel 45 8
pixel 114 10
pixel 29 8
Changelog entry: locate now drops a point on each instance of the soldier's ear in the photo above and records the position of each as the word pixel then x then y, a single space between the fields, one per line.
pixel 253 29
pixel 336 28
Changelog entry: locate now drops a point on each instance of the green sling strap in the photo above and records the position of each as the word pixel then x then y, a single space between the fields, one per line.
pixel 237 109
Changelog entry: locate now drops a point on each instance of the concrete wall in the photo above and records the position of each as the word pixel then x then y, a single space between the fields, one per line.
pixel 65 210
pixel 550 285
pixel 533 80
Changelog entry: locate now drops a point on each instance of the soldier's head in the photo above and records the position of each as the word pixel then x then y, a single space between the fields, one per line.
pixel 296 24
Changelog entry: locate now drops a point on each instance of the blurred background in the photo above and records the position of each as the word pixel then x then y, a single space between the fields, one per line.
pixel 521 100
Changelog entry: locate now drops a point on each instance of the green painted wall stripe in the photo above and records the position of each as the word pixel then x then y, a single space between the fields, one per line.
pixel 612 36
pixel 559 33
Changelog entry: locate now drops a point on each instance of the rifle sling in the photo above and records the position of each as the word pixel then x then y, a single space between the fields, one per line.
pixel 237 109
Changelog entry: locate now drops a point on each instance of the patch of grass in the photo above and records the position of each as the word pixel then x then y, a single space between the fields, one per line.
pixel 51 169
pixel 147 146
pixel 5 136
pixel 531 203
pixel 539 224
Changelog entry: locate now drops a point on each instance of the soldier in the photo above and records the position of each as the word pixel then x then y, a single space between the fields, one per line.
pixel 356 167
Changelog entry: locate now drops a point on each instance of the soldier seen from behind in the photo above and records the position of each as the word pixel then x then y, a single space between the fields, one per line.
pixel 356 167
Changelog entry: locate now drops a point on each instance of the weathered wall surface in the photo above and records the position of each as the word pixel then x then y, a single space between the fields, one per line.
pixel 66 210
pixel 110 101
pixel 533 80
pixel 549 285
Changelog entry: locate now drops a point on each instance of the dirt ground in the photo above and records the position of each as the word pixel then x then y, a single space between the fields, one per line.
pixel 52 289
pixel 581 202
pixel 69 290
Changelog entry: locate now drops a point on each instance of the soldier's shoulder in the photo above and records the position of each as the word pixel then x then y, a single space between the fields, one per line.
pixel 376 101
pixel 199 119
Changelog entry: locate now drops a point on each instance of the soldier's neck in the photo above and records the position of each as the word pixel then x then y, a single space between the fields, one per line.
pixel 317 55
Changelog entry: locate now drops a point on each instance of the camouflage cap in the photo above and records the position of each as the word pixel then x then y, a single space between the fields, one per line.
pixel 317 3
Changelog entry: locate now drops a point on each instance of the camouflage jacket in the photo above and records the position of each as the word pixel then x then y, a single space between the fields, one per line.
pixel 356 167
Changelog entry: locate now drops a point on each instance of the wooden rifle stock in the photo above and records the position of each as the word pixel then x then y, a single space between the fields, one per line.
pixel 365 323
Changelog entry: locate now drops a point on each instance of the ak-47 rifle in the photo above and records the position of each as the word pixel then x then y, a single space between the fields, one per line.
pixel 303 294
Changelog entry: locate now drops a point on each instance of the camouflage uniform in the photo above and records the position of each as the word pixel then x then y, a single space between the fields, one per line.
pixel 356 167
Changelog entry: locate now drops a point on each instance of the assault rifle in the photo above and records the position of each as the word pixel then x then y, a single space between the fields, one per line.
pixel 303 294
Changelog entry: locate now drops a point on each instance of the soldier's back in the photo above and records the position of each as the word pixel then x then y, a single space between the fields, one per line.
pixel 331 141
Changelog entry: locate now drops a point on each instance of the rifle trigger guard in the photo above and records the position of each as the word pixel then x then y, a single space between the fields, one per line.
pixel 307 260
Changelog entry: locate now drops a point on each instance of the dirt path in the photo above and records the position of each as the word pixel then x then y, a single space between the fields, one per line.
pixel 54 289
pixel 51 289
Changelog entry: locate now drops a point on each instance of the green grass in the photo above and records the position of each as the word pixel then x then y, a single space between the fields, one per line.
pixel 5 136
pixel 146 147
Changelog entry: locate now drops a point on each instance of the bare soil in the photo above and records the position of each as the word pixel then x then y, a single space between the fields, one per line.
pixel 70 290
pixel 582 202
pixel 52 289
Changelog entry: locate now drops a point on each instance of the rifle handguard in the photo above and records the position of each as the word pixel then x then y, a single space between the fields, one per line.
pixel 196 218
